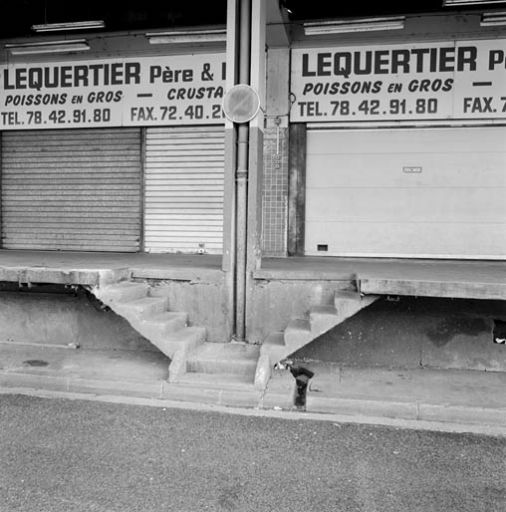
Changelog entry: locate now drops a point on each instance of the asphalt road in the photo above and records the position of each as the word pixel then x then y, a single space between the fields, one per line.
pixel 65 455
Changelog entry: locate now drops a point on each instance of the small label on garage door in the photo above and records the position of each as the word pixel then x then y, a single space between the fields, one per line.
pixel 412 169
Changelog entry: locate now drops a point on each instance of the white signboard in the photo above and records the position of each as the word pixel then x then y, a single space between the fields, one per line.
pixel 148 91
pixel 433 81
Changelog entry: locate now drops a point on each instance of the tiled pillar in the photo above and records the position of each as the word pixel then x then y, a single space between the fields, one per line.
pixel 275 192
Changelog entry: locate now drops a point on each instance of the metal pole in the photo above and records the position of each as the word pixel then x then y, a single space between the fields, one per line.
pixel 241 176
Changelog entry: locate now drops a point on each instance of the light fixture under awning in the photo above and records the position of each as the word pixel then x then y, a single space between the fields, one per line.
pixel 187 36
pixel 355 25
pixel 72 25
pixel 68 46
pixel 492 19
pixel 450 3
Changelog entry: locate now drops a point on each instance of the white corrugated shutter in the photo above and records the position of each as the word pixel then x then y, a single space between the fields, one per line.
pixel 412 193
pixel 73 190
pixel 184 171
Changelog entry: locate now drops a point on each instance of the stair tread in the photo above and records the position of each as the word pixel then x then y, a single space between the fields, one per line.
pixel 147 300
pixel 225 352
pixel 299 324
pixel 166 315
pixel 217 380
pixel 123 292
pixel 347 294
pixel 128 284
pixel 275 339
pixel 323 310
pixel 185 333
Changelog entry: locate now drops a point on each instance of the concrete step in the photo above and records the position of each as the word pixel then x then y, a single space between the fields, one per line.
pixel 348 303
pixel 297 334
pixel 111 276
pixel 322 318
pixel 188 335
pixel 125 291
pixel 186 338
pixel 301 331
pixel 275 346
pixel 216 380
pixel 272 350
pixel 147 306
pixel 159 325
pixel 179 342
pixel 346 294
pixel 224 358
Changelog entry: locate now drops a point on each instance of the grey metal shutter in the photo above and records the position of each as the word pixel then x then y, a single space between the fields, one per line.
pixel 184 172
pixel 407 193
pixel 76 190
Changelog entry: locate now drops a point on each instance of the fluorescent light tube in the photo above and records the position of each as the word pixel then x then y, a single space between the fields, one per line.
pixel 356 25
pixel 72 25
pixel 74 45
pixel 187 36
pixel 449 3
pixel 491 19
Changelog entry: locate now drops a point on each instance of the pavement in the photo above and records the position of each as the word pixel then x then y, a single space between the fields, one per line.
pixel 456 396
pixel 470 279
pixel 418 277
pixel 82 267
pixel 449 400
pixel 60 455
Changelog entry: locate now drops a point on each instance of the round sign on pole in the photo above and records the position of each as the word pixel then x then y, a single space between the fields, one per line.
pixel 241 103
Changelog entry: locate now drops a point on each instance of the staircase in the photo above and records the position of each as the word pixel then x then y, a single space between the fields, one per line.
pixel 195 363
pixel 223 365
pixel 301 331
pixel 167 330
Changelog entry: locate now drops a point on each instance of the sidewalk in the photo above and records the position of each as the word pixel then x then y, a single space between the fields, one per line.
pixel 372 395
pixel 469 397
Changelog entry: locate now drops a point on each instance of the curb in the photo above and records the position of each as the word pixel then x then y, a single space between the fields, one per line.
pixel 276 400
pixel 336 419
pixel 233 396
pixel 412 411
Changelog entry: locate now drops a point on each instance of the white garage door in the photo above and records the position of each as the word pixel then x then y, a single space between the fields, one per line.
pixel 438 193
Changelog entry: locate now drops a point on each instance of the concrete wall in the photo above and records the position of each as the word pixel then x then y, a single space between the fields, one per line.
pixel 406 332
pixel 275 302
pixel 205 303
pixel 62 318
pixel 414 333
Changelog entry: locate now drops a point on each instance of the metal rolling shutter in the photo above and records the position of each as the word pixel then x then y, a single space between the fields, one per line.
pixel 184 173
pixel 71 190
pixel 412 193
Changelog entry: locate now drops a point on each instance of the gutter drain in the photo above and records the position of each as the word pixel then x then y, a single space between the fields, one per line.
pixel 35 363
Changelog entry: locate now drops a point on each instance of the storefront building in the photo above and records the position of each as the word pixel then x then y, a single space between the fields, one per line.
pixel 403 126
pixel 113 143
pixel 385 150
pixel 375 163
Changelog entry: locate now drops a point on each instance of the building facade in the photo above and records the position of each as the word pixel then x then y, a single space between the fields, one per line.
pixel 375 166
